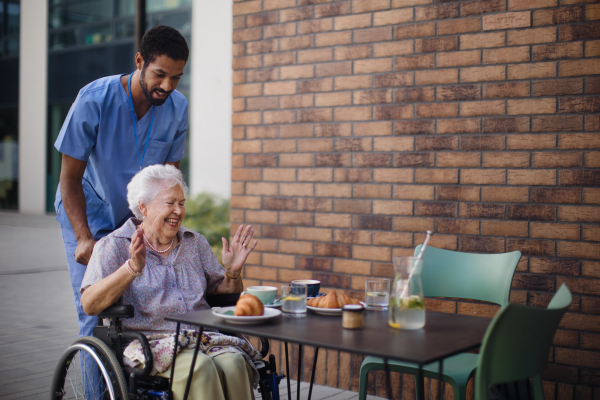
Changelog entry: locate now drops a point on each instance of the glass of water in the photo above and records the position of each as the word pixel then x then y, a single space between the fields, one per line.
pixel 377 294
pixel 293 300
pixel 407 304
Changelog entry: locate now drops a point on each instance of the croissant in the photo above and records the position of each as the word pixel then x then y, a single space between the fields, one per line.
pixel 332 300
pixel 248 305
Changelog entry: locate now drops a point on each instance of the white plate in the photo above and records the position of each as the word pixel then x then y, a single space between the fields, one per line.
pixel 269 313
pixel 328 311
pixel 276 304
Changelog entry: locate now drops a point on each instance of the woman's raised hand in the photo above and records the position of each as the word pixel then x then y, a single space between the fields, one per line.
pixel 137 251
pixel 235 254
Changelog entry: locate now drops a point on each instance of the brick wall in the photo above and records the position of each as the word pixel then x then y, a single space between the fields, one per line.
pixel 360 124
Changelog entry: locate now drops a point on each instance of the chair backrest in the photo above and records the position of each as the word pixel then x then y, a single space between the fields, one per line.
pixel 485 277
pixel 517 342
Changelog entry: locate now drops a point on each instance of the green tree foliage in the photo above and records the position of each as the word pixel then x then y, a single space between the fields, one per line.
pixel 208 215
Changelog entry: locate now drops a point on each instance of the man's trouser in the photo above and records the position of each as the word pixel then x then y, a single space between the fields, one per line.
pixel 90 375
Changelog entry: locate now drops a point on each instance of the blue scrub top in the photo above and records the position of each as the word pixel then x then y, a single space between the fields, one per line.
pixel 99 130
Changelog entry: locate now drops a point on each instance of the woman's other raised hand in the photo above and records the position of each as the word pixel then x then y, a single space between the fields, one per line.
pixel 137 250
pixel 235 254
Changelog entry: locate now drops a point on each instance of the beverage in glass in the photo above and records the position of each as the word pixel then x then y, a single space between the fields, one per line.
pixel 377 294
pixel 293 300
pixel 407 305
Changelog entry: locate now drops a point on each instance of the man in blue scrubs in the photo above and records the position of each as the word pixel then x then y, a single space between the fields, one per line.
pixel 116 126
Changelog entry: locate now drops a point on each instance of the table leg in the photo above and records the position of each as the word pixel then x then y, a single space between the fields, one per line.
pixel 388 379
pixel 287 368
pixel 299 371
pixel 173 363
pixel 441 379
pixel 312 375
pixel 420 384
pixel 189 380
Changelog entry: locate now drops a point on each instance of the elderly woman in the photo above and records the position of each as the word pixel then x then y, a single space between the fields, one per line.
pixel 162 268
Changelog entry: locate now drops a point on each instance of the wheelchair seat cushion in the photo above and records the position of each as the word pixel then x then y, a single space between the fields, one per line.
pixel 117 311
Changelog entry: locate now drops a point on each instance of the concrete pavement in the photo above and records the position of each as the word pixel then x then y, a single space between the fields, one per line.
pixel 37 316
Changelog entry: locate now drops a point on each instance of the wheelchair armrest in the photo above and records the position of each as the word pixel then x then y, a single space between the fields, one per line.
pixel 222 300
pixel 117 311
pixel 129 336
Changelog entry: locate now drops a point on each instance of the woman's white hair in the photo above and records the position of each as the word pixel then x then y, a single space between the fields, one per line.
pixel 149 182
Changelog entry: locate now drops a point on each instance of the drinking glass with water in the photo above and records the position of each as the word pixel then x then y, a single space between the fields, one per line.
pixel 293 300
pixel 377 294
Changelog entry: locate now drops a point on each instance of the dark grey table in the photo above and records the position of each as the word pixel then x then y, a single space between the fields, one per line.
pixel 444 334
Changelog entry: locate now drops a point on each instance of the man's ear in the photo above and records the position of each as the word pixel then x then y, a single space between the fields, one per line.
pixel 139 61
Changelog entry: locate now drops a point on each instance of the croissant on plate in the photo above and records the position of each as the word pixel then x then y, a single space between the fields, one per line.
pixel 248 305
pixel 332 300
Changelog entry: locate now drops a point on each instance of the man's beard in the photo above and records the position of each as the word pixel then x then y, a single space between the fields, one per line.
pixel 148 93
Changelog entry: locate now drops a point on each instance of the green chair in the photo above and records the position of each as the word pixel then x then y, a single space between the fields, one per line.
pixel 446 273
pixel 517 343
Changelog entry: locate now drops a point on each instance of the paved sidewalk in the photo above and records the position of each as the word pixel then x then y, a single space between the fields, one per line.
pixel 37 316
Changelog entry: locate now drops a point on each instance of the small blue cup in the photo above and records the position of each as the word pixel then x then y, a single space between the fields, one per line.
pixel 312 286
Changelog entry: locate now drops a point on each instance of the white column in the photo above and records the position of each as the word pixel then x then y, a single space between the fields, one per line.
pixel 210 102
pixel 33 103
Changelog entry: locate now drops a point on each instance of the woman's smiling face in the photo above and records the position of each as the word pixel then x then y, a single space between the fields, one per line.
pixel 164 214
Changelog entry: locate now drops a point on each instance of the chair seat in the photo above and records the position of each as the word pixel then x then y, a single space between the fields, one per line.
pixel 456 370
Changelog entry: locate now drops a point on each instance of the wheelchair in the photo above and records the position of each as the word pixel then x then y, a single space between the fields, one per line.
pixel 74 379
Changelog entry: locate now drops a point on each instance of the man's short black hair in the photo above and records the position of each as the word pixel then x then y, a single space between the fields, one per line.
pixel 163 40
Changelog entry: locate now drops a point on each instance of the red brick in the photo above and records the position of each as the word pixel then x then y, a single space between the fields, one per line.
pixel 556 160
pixel 457 226
pixel 462 159
pixel 579 178
pixel 557 16
pixel 372 128
pixel 531 142
pixel 316 55
pixel 406 31
pixel 505 194
pixel 279 30
pixel 457 193
pixel 318 25
pixel 481 244
pixel 580 67
pixel 436 77
pixel 393 17
pixel 436 44
pixel 579 31
pixel 313 263
pixel 278 4
pixel 393 144
pixel 557 51
pixel 463 25
pixel 392 207
pixel 482 7
pixel 529 71
pixel 412 224
pixel 279 174
pixel 504 228
pixel 483 177
pixel 394 175
pixel 319 205
pixel 396 48
pixel 351 267
pixel 458 125
pixel 592 159
pixel 352 206
pixel 333 99
pixel 554 231
pixel 436 176
pixel 476 108
pixel 352 82
pixel 315 115
pixel 558 87
pixel 436 110
pixel 295 14
pixel 352 22
pixel 298 101
pixel 506 55
pixel 372 35
pixel 539 195
pixel 591 196
pixel 585 250
pixel 479 210
pixel 588 104
pixel 412 128
pixel 483 74
pixel 353 52
pixel 277 88
pixel 371 222
pixel 531 106
pixel 557 123
pixel 415 160
pixel 534 248
pixel 413 95
pixel 579 141
pixel 509 20
pixel 531 36
pixel 519 5
pixel 437 12
pixel 591 232
pixel 372 160
pixel 592 48
pixel 352 114
pixel 390 80
pixel 459 58
pixel 413 192
pixel 392 112
pixel 506 160
pixel 371 66
pixel 532 177
pixel 482 40
pixel 330 10
pixel 267 18
pixel 414 62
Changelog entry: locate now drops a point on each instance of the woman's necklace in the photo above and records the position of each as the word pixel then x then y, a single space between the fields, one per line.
pixel 158 251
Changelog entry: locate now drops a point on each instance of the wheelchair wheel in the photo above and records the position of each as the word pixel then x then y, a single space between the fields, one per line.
pixel 99 377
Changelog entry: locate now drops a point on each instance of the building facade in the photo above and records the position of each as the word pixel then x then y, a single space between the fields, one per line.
pixel 83 40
